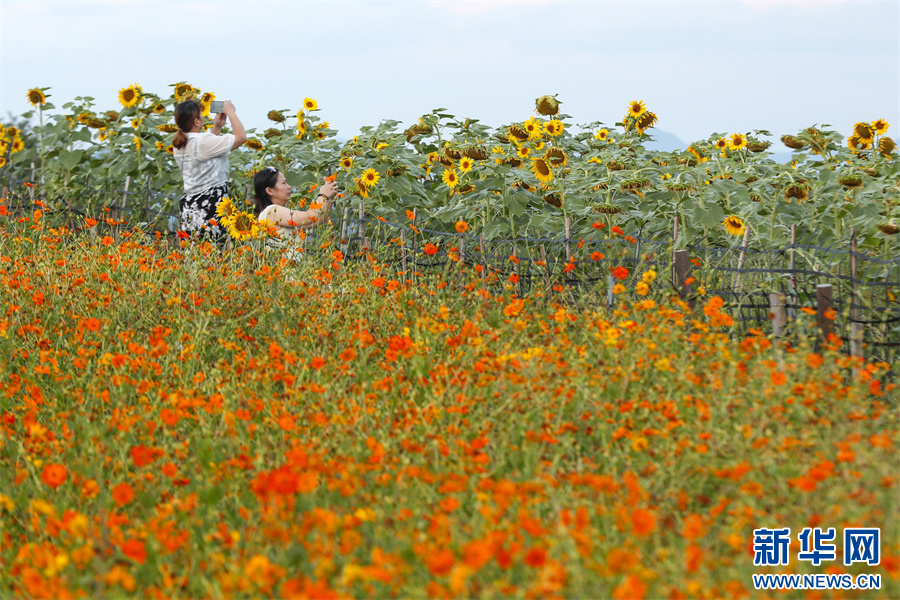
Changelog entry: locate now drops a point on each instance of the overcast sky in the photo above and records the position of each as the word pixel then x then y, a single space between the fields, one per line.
pixel 702 67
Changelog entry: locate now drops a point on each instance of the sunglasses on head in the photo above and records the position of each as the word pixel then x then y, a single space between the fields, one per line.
pixel 271 169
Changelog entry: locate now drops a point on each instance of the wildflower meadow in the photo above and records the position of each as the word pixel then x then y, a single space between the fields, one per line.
pixel 183 421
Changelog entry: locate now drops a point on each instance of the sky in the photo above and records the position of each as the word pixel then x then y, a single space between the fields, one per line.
pixel 702 67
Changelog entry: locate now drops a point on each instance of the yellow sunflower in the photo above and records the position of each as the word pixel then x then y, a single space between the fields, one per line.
pixel 130 95
pixel 721 144
pixel 160 108
pixel 738 141
pixel 523 151
pixel 346 162
pixel 542 170
pixel 17 145
pixel 36 97
pixel 645 121
pixel 370 177
pixel 137 142
pixel 533 128
pixel 465 164
pixel 226 211
pixel 310 104
pixel 880 126
pixel 450 178
pixel 554 128
pixel 886 146
pixel 243 226
pixel 182 90
pixel 602 134
pixel 361 189
pixel 254 144
pixel 207 98
pixel 636 108
pixel 865 132
pixel 734 225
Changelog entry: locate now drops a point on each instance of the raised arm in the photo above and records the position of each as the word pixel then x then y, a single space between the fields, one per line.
pixel 237 128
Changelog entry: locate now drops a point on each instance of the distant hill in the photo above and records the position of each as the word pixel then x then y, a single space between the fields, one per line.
pixel 663 141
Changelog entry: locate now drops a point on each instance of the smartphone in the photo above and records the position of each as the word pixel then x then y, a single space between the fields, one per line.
pixel 217 106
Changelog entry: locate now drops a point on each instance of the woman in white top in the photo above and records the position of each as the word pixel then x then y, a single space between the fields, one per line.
pixel 203 160
pixel 272 195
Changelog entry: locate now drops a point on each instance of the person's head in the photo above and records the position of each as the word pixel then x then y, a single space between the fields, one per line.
pixel 187 115
pixel 270 187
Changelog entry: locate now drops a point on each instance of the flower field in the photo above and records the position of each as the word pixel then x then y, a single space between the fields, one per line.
pixel 225 425
pixel 180 421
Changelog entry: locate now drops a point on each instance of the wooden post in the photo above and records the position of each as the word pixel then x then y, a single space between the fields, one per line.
pixel 121 212
pixel 403 259
pixel 778 310
pixel 793 280
pixel 30 189
pixel 568 244
pixel 483 259
pixel 675 230
pixel 361 214
pixel 546 267
pixel 737 281
pixel 147 205
pixel 824 303
pixel 682 273
pixel 856 328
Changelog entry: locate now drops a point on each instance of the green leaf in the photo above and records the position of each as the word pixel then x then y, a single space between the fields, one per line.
pixel 68 159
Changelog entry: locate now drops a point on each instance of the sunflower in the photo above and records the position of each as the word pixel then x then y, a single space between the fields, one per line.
pixel 721 144
pixel 360 189
pixel 11 132
pixel 880 126
pixel 554 128
pixel 734 225
pixel 450 178
pixel 533 128
pixel 738 141
pixel 320 135
pixel 602 134
pixel 795 191
pixel 36 97
pixel 254 144
pixel 160 108
pixel 547 106
pixel 275 116
pixel 137 142
pixel 243 226
pixel 523 151
pixel 853 143
pixel 207 98
pixel 865 132
pixel 636 108
pixel 645 121
pixel 370 177
pixel 226 210
pixel 130 95
pixel 309 104
pixel 17 145
pixel 182 90
pixel 346 162
pixel 301 128
pixel 167 128
pixel 542 170
pixel 518 133
pixel 170 149
pixel 556 156
pixel 886 146
pixel 160 147
pixel 465 164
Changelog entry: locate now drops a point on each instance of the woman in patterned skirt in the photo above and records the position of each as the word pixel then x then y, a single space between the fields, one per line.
pixel 203 160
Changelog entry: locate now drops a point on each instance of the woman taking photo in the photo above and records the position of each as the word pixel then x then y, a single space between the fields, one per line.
pixel 272 195
pixel 203 160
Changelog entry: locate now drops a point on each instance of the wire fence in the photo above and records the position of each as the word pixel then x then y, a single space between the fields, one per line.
pixel 865 288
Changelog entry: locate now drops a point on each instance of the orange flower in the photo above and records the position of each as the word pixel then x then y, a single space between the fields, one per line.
pixel 347 355
pixel 378 282
pixel 514 278
pixel 107 241
pixel 631 588
pixel 122 494
pixel 620 272
pixel 778 378
pixel 449 504
pixel 643 522
pixel 54 475
pixel 410 215
pixel 597 256
pixel 693 557
pixel 135 550
pixel 693 527
pixel 536 557
pixel 440 562
pixel 286 422
pixel 462 226
pixel 430 249
pixel 317 362
pixel 337 255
